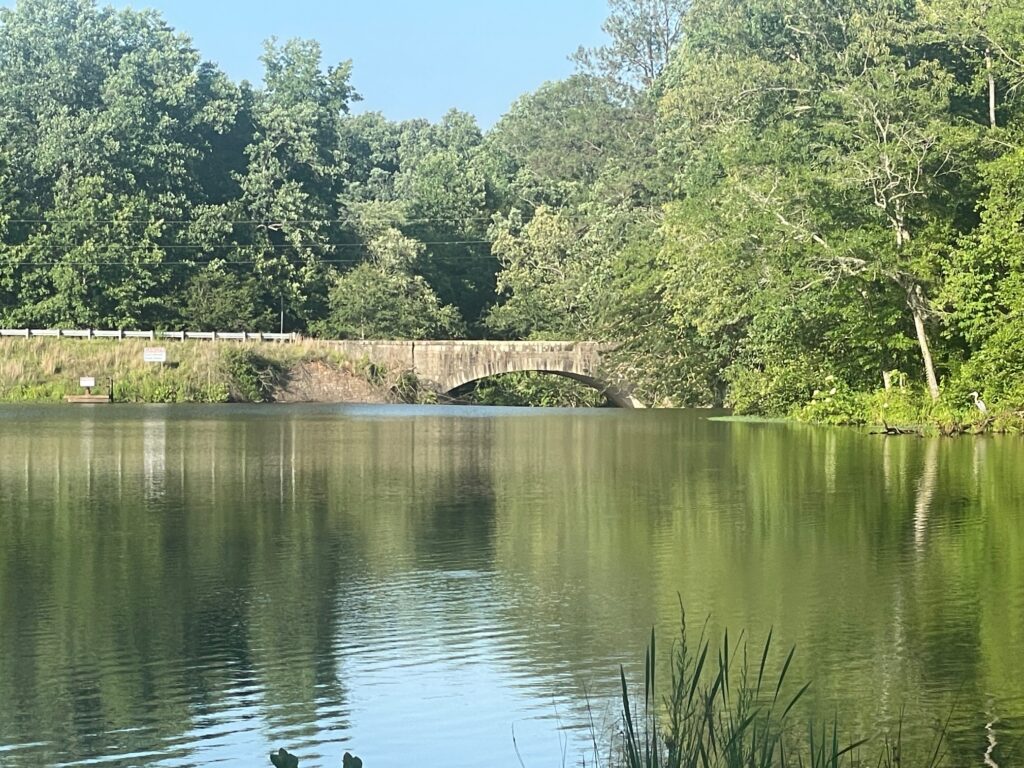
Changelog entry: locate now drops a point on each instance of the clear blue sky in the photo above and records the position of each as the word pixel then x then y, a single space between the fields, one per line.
pixel 412 58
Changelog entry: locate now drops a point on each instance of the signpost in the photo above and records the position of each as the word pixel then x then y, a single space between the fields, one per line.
pixel 87 383
pixel 155 355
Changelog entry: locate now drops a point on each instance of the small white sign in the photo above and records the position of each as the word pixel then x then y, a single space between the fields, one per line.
pixel 87 382
pixel 155 355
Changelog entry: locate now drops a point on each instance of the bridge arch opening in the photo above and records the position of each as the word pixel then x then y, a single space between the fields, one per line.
pixel 613 395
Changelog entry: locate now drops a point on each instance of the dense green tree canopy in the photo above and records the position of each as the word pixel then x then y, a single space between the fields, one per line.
pixel 749 197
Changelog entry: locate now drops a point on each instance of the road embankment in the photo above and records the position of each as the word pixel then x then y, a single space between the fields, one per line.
pixel 50 369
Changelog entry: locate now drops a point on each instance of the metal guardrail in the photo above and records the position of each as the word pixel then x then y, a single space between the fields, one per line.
pixel 61 333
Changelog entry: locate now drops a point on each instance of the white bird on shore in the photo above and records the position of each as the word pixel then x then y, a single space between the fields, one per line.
pixel 979 403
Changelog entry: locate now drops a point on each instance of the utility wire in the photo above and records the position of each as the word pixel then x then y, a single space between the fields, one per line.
pixel 143 265
pixel 239 246
pixel 186 262
pixel 262 222
pixel 270 224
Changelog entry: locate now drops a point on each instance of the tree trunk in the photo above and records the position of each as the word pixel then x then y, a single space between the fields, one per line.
pixel 916 302
pixel 991 90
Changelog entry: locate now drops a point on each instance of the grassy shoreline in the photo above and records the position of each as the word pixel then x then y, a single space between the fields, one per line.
pixel 48 370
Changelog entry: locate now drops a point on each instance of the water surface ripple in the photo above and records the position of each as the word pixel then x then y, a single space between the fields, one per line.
pixel 445 586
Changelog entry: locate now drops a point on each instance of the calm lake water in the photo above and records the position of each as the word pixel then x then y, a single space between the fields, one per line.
pixel 438 586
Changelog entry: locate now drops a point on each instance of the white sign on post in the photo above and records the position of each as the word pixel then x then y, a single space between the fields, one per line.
pixel 87 382
pixel 155 355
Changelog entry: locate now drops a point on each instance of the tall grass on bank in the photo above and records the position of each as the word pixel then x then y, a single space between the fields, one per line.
pixel 721 711
pixel 47 370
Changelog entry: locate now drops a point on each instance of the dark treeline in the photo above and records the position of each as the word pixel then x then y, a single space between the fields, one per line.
pixel 753 196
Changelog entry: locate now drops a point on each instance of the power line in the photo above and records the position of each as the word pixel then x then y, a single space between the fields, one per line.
pixel 238 246
pixel 269 224
pixel 262 222
pixel 247 262
pixel 188 262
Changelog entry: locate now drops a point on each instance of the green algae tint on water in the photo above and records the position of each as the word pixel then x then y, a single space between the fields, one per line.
pixel 195 586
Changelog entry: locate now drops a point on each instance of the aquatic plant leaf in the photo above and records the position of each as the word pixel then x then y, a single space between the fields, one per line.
pixel 284 759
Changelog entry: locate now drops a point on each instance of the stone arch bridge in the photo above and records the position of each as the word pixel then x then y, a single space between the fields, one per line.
pixel 444 366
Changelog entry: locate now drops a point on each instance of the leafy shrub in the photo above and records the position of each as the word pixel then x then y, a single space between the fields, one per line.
pixel 52 391
pixel 835 403
pixel 996 371
pixel 773 389
pixel 407 389
pixel 899 405
pixel 148 386
pixel 536 389
pixel 251 378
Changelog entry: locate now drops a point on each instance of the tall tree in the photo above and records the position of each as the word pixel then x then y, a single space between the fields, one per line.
pixel 990 35
pixel 108 116
pixel 295 175
pixel 546 277
pixel 384 299
pixel 837 128
pixel 643 36
pixel 444 190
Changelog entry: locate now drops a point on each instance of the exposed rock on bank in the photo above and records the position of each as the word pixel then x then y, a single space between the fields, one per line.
pixel 316 381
